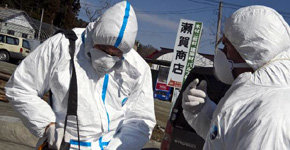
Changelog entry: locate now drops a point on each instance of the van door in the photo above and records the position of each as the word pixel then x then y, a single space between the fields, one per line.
pixel 26 47
pixel 12 44
pixel 2 41
pixel 14 47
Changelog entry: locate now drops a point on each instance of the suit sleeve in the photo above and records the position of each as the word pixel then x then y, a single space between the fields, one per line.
pixel 201 121
pixel 30 82
pixel 139 119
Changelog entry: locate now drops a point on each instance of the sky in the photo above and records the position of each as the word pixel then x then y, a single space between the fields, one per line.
pixel 158 20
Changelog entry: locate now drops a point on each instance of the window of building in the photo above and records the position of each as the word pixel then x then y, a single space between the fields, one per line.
pixel 25 44
pixel 1 38
pixel 11 32
pixel 163 74
pixel 12 40
pixel 24 35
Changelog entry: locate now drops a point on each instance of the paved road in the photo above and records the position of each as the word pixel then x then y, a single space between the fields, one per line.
pixel 13 134
pixel 162 109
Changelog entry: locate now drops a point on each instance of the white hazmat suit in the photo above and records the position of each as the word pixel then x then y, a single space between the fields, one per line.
pixel 254 113
pixel 115 111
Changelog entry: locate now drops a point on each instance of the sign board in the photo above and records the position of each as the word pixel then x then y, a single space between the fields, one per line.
pixel 162 86
pixel 185 49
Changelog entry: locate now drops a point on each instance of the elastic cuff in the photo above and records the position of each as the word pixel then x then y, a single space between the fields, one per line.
pixel 208 108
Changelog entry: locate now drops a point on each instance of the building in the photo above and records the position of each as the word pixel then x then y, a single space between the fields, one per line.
pixel 161 66
pixel 16 22
pixel 47 30
pixel 166 54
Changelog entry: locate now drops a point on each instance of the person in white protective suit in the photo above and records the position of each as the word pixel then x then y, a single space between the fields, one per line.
pixel 115 98
pixel 254 112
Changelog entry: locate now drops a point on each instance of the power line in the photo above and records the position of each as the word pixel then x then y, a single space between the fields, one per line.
pixel 178 13
pixel 156 32
pixel 234 6
pixel 90 4
pixel 230 5
pixel 172 12
pixel 184 11
pixel 202 2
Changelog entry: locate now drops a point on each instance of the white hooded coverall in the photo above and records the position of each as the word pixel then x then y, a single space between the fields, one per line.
pixel 115 111
pixel 254 113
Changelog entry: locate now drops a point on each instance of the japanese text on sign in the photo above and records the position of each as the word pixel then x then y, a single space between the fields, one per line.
pixel 185 49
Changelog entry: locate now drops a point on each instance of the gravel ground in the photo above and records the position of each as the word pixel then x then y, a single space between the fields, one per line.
pixel 158 134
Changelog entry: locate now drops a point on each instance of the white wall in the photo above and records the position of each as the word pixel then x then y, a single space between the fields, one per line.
pixel 199 61
pixel 21 20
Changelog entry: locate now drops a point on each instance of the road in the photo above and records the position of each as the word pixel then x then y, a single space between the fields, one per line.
pixel 13 134
pixel 162 109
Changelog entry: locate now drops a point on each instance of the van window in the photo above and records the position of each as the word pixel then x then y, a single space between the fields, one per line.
pixel 12 40
pixel 25 44
pixel 1 38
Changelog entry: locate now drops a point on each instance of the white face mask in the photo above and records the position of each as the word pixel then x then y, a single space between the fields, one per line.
pixel 101 61
pixel 224 67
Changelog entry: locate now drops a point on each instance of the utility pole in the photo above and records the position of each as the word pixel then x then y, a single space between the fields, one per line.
pixel 39 31
pixel 219 23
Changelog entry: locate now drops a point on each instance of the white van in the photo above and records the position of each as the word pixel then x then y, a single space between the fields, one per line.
pixel 12 47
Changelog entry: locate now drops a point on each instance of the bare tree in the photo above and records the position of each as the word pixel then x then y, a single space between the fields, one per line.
pixel 94 11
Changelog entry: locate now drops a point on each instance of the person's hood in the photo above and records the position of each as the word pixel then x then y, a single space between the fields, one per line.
pixel 116 27
pixel 258 33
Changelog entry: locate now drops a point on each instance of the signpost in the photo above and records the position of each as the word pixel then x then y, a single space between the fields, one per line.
pixel 185 49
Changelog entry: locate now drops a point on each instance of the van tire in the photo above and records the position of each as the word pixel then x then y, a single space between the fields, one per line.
pixel 4 56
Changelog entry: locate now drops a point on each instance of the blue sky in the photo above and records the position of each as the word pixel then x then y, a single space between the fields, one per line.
pixel 158 19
